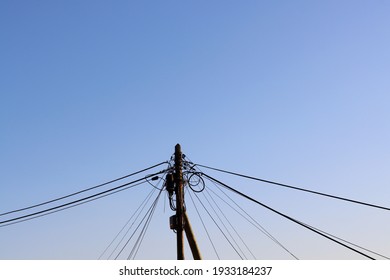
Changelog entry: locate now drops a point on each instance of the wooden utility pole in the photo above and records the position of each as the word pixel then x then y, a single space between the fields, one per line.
pixel 179 202
pixel 180 221
pixel 191 238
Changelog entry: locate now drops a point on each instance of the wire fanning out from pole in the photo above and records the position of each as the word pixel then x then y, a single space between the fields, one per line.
pixel 180 177
pixel 288 217
pixel 296 188
pixel 82 191
pixel 76 202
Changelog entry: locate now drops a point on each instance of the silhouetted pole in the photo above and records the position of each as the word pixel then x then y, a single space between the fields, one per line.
pixel 179 202
pixel 191 238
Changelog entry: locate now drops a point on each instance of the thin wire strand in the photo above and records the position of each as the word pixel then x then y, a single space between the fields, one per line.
pixel 254 222
pixel 128 230
pixel 204 226
pixel 223 233
pixel 288 217
pixel 296 188
pixel 146 226
pixel 231 225
pixel 225 227
pixel 353 244
pixel 71 206
pixel 136 229
pixel 256 225
pixel 82 191
pixel 131 236
pixel 77 201
pixel 136 248
pixel 140 208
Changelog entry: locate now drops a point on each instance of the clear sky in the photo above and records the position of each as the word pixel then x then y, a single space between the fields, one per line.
pixel 292 91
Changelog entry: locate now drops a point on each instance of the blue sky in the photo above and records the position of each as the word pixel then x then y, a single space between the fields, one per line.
pixel 291 91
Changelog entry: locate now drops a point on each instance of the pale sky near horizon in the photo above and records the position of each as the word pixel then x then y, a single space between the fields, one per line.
pixel 292 91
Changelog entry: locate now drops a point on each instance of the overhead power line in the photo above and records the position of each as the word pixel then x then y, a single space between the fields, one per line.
pixel 85 190
pixel 138 210
pixel 350 243
pixel 204 227
pixel 147 216
pixel 78 200
pixel 73 205
pixel 220 229
pixel 226 229
pixel 250 219
pixel 229 222
pixel 141 237
pixel 287 217
pixel 296 188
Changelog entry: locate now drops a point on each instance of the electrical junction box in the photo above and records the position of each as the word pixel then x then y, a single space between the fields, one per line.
pixel 173 222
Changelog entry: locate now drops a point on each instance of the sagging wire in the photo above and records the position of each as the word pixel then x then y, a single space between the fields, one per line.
pixel 139 211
